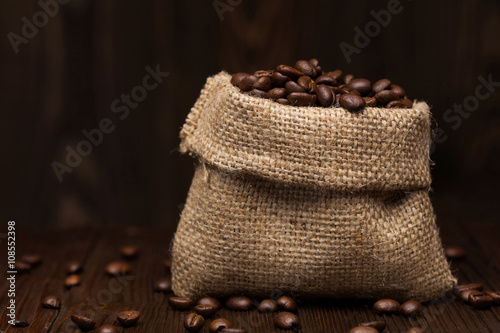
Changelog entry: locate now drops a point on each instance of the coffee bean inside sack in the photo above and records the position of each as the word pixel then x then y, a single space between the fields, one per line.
pixel 307 84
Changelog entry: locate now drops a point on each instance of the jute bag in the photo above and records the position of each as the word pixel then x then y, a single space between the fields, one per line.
pixel 311 201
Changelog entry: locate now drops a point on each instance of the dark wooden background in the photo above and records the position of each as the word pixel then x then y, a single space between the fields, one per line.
pixel 65 78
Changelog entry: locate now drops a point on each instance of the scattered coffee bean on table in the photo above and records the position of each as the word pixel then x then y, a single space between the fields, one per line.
pixel 268 306
pixel 464 295
pixel 72 281
pixel 363 329
pixel 286 320
pixel 495 295
pixel 239 303
pixel 22 267
pixel 20 323
pixel 51 302
pixel 209 301
pixel 205 310
pixel 462 287
pixel 411 308
pixel 129 252
pixel 107 329
pixel 454 252
pixel 233 330
pixel 115 268
pixel 193 322
pixel 386 306
pixel 180 303
pixel 287 303
pixel 32 259
pixel 218 325
pixel 128 318
pixel 83 322
pixel 480 301
pixel 377 324
pixel 163 285
pixel 74 267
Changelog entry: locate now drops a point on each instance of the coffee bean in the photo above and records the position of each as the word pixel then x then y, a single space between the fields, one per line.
pixel 193 322
pixel 267 306
pixel 336 74
pixel 408 104
pixel 454 252
pixel 264 73
pixel 107 329
pixel 305 67
pixel 129 252
pixel 289 71
pixel 74 267
pixel 464 295
pixel 32 259
pixel 233 330
pixel 480 301
pixel 348 78
pixel 396 104
pixel 51 302
pixel 239 303
pixel 306 83
pixel 411 308
pixel 262 83
pixel 247 82
pixel 314 62
pixel 167 263
pixel 283 101
pixel 286 320
pixel 180 303
pixel 205 310
pixel 398 90
pixel 363 329
pixel 415 330
pixel 380 85
pixel 128 318
pixel 301 99
pixel 276 93
pixel 236 78
pixel 218 325
pixel 385 96
pixel 287 303
pixel 325 95
pixel 22 267
pixel 352 102
pixel 115 268
pixel 83 322
pixel 495 295
pixel 163 285
pixel 20 323
pixel 386 306
pixel 72 281
pixel 279 80
pixel 461 287
pixel 370 101
pixel 258 93
pixel 292 87
pixel 209 301
pixel 377 324
pixel 364 86
pixel 326 79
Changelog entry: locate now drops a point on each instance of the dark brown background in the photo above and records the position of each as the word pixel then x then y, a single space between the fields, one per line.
pixel 65 78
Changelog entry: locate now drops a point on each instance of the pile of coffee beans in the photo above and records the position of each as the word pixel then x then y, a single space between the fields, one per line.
pixel 473 295
pixel 307 84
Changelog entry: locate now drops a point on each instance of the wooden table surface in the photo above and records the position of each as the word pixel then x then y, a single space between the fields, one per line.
pixel 101 296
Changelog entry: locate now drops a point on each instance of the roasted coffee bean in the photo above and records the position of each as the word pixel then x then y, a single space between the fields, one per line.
pixel 326 79
pixel 385 96
pixel 128 318
pixel 107 329
pixel 364 86
pixel 336 74
pixel 396 104
pixel 348 78
pixel 283 101
pixel 306 83
pixel 20 323
pixel 236 78
pixel 163 285
pixel 415 330
pixel 363 329
pixel 72 281
pixel 411 308
pixel 461 287
pixel 289 71
pixel 301 99
pixel 74 267
pixel 287 303
pixel 279 80
pixel 218 325
pixel 129 252
pixel 377 324
pixel 495 295
pixel 480 301
pixel 51 302
pixel 370 101
pixel 258 93
pixel 167 263
pixel 233 330
pixel 210 301
pixel 22 267
pixel 408 104
pixel 205 310
pixel 380 85
pixel 264 73
pixel 286 320
pixel 32 259
pixel 454 252
pixel 464 295
pixel 262 83
pixel 292 87
pixel 276 93
pixel 83 322
pixel 239 303
pixel 118 268
pixel 305 67
pixel 352 102
pixel 386 306
pixel 398 90
pixel 193 322
pixel 180 303
pixel 325 95
pixel 267 306
pixel 314 62
pixel 247 82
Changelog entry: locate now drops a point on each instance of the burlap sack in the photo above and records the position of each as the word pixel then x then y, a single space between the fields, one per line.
pixel 307 200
